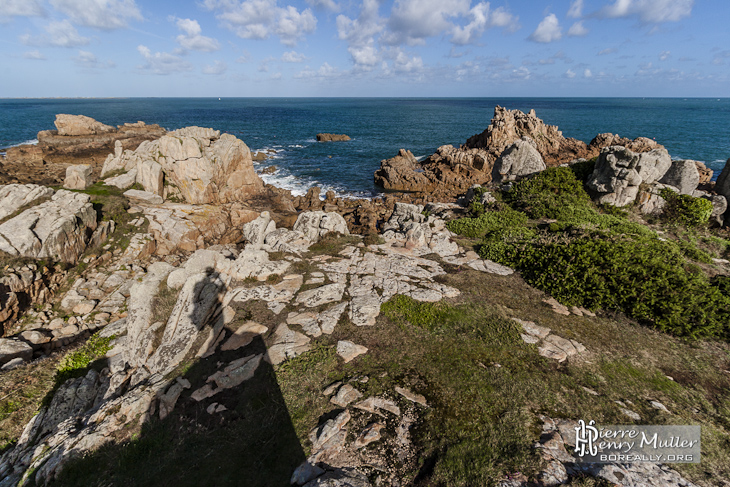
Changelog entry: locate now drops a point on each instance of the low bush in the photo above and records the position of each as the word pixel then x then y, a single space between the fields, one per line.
pixel 685 209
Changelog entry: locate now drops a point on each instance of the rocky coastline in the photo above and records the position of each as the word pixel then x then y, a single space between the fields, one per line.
pixel 179 280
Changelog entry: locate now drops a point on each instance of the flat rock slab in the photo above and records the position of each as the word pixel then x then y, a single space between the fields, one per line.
pixel 321 295
pixel 411 396
pixel 345 395
pixel 287 344
pixel 145 197
pixel 10 349
pixel 244 335
pixel 348 350
pixel 14 196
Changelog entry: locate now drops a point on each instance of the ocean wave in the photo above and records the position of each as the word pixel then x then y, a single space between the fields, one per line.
pixel 27 142
pixel 297 146
pixel 299 186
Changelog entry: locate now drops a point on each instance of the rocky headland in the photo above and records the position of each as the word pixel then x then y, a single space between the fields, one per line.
pixel 169 318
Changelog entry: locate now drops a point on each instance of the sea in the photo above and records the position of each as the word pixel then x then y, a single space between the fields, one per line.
pixel 690 128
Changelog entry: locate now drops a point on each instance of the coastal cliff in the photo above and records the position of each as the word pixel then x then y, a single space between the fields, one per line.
pixel 178 321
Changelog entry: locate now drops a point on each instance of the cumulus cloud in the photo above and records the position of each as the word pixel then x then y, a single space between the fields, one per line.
pixel 577 30
pixel 330 5
pixel 324 71
pixel 412 21
pixel 59 34
pixel 87 59
pixel 101 14
pixel 481 19
pixel 548 30
pixel 191 39
pixel 162 62
pixel 259 19
pixel 576 9
pixel 20 8
pixel 217 68
pixel 36 55
pixel 721 58
pixel 649 11
pixel 587 73
pixel 293 57
pixel 664 55
pixel 570 74
pixel 360 34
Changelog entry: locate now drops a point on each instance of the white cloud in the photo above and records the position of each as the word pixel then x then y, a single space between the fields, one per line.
pixel 720 58
pixel 162 62
pixel 360 35
pixel 191 40
pixel 587 73
pixel 324 71
pixel 259 19
pixel 548 30
pixel 403 64
pixel 20 8
pixel 482 19
pixel 576 9
pixel 649 11
pixel 101 14
pixel 59 34
pixel 87 59
pixel 570 74
pixel 664 55
pixel 577 29
pixel 217 68
pixel 609 50
pixel 34 55
pixel 521 73
pixel 293 57
pixel 330 5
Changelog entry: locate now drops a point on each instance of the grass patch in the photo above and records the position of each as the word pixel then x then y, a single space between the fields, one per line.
pixel 332 243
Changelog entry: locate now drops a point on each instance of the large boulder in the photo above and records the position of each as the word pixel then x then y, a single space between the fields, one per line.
pixel 519 159
pixel 200 163
pixel 58 229
pixel 400 173
pixel 78 177
pixel 619 172
pixel 15 196
pixel 80 125
pixel 315 224
pixel 332 138
pixel 723 181
pixel 683 175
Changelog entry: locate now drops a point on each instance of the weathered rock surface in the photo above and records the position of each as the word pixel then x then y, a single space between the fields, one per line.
pixel 78 177
pixel 315 224
pixel 517 160
pixel 332 137
pixel 80 125
pixel 15 196
pixel 202 165
pixel 723 182
pixel 81 139
pixel 683 175
pixel 452 171
pixel 58 229
pixel 619 172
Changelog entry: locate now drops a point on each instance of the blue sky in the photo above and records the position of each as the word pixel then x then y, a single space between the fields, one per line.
pixel 364 48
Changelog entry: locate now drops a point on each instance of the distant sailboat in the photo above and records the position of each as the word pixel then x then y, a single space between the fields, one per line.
pixel 219 99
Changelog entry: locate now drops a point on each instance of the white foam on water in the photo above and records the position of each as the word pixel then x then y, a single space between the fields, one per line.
pixel 299 187
pixel 27 142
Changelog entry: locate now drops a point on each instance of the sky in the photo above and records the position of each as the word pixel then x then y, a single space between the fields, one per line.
pixel 284 48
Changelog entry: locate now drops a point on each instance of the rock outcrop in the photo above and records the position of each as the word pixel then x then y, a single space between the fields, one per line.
pixel 683 175
pixel 78 177
pixel 81 139
pixel 619 172
pixel 723 182
pixel 518 160
pixel 200 165
pixel 451 171
pixel 332 138
pixel 58 229
pixel 15 196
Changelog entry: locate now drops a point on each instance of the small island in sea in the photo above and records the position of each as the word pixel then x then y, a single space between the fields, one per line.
pixel 170 318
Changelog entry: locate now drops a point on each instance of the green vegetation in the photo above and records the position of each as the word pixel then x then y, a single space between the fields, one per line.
pixel 685 209
pixel 332 243
pixel 76 363
pixel 591 257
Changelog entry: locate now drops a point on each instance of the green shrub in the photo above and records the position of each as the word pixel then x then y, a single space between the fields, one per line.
pixel 644 277
pixel 487 222
pixel 548 194
pixel 685 209
pixel 583 170
pixel 76 363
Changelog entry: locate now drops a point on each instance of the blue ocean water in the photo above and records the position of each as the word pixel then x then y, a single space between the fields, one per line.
pixel 694 128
